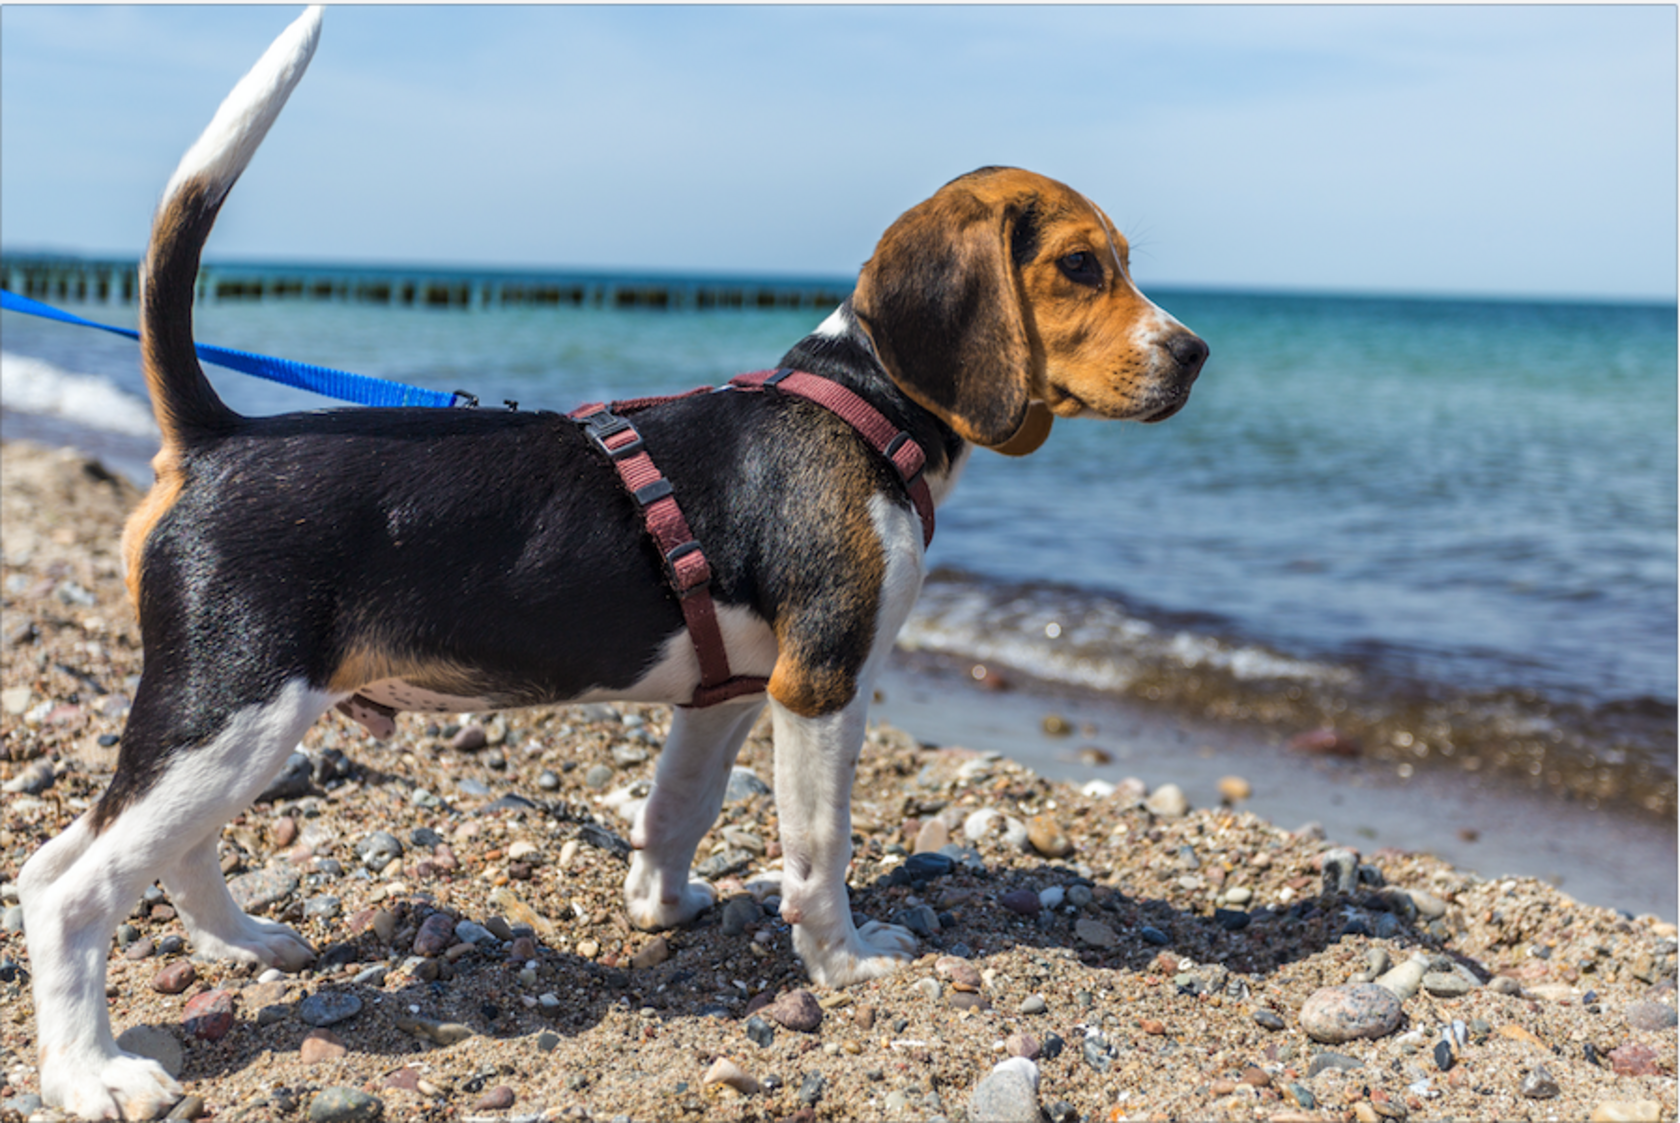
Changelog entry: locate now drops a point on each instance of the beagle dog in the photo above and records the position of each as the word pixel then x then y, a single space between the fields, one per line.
pixel 469 560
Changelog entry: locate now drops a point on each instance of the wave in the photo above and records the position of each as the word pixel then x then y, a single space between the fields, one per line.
pixel 31 385
pixel 1366 700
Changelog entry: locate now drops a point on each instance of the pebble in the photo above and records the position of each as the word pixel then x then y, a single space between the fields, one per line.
pixel 1008 1094
pixel 1151 935
pixel 961 974
pixel 33 780
pixel 436 933
pixel 440 1033
pixel 739 914
pixel 1046 835
pixel 1094 933
pixel 1267 1019
pixel 1447 984
pixel 598 776
pixel 1403 981
pixel 1234 789
pixel 292 781
pixel 655 952
pixel 811 1088
pixel 328 1007
pixel 467 932
pixel 379 850
pixel 345 1105
pixel 760 1032
pixel 1168 802
pixel 12 919
pixel 1627 1111
pixel 209 1015
pixel 320 1045
pixel 1326 1061
pixel 932 835
pixel 1341 871
pixel 1097 1052
pixel 175 978
pixel 1051 897
pixel 921 920
pixel 979 824
pixel 744 784
pixel 796 1010
pixel 260 890
pixel 499 1098
pixel 1539 1085
pixel 187 1107
pixel 1023 902
pixel 1333 1015
pixel 158 1044
pixel 1033 1004
pixel 1651 1016
pixel 1022 1045
pixel 726 1072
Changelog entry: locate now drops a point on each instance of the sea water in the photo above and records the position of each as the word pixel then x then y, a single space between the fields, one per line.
pixel 1445 528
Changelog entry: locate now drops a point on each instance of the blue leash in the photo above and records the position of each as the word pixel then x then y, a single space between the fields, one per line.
pixel 346 387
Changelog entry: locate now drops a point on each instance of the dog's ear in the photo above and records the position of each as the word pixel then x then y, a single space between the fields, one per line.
pixel 941 300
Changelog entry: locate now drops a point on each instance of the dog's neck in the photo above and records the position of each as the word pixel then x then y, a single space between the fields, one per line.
pixel 840 350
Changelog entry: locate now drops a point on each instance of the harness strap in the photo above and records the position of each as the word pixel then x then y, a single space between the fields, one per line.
pixel 890 441
pixel 686 568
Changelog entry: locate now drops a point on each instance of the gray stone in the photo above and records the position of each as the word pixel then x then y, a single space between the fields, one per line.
pixel 12 919
pixel 1650 1016
pixel 760 1032
pixel 158 1044
pixel 476 934
pixel 598 777
pixel 262 889
pixel 328 1007
pixel 1267 1019
pixel 811 1088
pixel 724 863
pixel 322 908
pixel 1033 1004
pixel 1098 1053
pixel 1094 933
pixel 1446 984
pixel 292 782
pixel 1341 871
pixel 1008 1094
pixel 187 1107
pixel 1327 1061
pixel 1539 1085
pixel 1333 1015
pixel 345 1105
pixel 739 914
pixel 744 784
pixel 33 780
pixel 379 849
pixel 921 920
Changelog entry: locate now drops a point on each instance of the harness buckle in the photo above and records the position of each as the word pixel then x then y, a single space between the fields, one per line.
pixel 910 467
pixel 688 579
pixel 604 424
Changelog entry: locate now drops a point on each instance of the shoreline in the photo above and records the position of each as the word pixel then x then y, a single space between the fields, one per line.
pixel 1615 860
pixel 1140 964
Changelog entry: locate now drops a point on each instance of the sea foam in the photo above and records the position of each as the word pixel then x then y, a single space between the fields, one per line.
pixel 29 385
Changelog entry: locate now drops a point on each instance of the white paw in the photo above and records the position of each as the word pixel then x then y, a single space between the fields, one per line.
pixel 651 910
pixel 258 941
pixel 122 1087
pixel 869 952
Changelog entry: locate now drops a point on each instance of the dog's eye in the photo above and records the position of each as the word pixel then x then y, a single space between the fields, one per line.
pixel 1082 267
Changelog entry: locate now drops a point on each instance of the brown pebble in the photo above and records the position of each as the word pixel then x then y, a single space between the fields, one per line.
pixel 285 832
pixel 321 1045
pixel 175 978
pixel 405 1078
pixel 209 1015
pixel 1234 789
pixel 655 952
pixel 966 1000
pixel 1047 837
pixel 162 914
pixel 499 1098
pixel 796 1010
pixel 959 972
pixel 1634 1059
pixel 864 1017
pixel 1022 1045
pixel 1257 1077
pixel 470 739
pixel 522 949
pixel 437 932
pixel 932 836
pixel 1152 1027
pixel 140 949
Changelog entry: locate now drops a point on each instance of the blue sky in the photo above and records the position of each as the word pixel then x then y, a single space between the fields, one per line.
pixel 1499 150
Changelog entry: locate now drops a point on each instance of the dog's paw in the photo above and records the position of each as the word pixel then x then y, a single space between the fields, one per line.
pixel 651 913
pixel 122 1087
pixel 257 941
pixel 869 952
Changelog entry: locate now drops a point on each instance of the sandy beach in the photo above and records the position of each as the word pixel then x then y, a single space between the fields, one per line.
pixel 1105 953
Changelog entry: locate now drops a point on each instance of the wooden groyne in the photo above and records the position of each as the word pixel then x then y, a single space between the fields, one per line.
pixel 83 280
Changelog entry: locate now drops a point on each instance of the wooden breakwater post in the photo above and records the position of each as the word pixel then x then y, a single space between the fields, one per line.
pixel 79 280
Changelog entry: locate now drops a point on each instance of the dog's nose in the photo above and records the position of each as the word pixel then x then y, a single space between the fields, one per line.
pixel 1190 352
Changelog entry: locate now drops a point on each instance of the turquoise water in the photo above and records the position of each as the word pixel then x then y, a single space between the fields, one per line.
pixel 1447 527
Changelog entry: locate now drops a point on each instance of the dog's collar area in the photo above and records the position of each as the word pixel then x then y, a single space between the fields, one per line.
pixel 687 571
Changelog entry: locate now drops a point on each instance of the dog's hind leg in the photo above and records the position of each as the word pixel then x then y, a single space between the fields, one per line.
pixel 687 794
pixel 77 888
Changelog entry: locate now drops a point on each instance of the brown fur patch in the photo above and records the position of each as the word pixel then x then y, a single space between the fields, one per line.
pixel 165 490
pixel 369 663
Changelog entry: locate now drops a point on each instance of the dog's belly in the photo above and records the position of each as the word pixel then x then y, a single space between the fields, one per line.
pixel 396 694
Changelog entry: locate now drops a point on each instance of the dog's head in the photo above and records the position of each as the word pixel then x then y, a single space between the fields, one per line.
pixel 1006 300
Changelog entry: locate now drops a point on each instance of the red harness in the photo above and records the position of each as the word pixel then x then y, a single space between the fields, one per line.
pixel 686 568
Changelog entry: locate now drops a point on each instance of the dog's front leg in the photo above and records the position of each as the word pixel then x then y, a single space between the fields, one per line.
pixel 816 762
pixel 687 794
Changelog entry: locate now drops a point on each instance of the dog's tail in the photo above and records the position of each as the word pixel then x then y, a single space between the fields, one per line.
pixel 182 397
